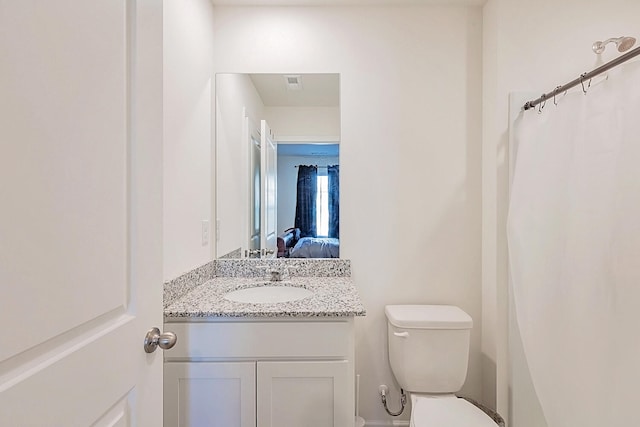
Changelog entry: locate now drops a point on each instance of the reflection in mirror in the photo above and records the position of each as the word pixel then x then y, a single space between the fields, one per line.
pixel 277 165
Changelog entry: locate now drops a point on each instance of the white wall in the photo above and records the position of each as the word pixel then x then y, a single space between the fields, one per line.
pixel 529 47
pixel 236 97
pixel 288 182
pixel 304 123
pixel 188 121
pixel 410 151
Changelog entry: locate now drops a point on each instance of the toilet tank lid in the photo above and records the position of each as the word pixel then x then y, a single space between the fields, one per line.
pixel 428 317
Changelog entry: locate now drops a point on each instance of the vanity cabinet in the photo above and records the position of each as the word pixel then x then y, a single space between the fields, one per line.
pixel 260 373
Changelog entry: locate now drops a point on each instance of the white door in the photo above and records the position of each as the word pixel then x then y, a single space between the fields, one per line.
pixel 255 186
pixel 269 174
pixel 81 216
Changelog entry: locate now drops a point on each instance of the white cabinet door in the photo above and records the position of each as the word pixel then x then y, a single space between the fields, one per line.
pixel 209 394
pixel 309 394
pixel 81 216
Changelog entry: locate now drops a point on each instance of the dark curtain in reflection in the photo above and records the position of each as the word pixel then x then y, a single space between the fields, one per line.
pixel 306 200
pixel 334 200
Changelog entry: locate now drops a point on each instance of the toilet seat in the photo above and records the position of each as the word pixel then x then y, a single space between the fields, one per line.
pixel 447 411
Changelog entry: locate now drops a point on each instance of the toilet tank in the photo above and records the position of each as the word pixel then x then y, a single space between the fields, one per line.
pixel 428 346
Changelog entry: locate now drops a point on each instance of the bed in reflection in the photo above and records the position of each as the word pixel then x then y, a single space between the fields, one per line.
pixel 291 245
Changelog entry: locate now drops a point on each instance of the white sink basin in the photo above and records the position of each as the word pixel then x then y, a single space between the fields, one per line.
pixel 268 294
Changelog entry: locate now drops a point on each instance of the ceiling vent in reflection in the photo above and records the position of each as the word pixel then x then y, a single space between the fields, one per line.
pixel 293 82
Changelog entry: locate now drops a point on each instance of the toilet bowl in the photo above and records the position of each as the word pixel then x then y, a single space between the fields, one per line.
pixel 429 353
pixel 446 411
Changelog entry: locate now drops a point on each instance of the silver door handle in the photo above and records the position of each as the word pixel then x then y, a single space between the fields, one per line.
pixel 155 339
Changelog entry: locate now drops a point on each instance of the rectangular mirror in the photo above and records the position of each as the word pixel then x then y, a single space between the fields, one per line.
pixel 277 165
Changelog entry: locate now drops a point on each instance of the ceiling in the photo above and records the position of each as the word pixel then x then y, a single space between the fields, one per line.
pixel 347 2
pixel 318 90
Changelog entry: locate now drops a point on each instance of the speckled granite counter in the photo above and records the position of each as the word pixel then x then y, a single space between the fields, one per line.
pixel 332 297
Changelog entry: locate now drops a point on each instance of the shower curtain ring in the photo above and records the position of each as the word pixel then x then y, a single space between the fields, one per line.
pixel 542 104
pixel 582 76
pixel 555 92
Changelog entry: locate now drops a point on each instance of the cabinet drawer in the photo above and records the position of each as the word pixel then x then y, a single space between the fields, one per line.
pixel 259 340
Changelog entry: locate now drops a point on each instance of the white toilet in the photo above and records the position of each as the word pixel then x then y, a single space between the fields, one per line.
pixel 428 353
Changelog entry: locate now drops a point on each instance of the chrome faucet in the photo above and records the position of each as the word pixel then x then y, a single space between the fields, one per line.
pixel 276 274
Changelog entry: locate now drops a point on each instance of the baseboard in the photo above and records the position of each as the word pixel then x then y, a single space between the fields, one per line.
pixel 386 423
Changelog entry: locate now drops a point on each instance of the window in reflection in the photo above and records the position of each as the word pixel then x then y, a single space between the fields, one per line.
pixel 322 204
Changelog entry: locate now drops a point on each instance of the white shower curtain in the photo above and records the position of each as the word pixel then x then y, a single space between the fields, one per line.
pixel 574 248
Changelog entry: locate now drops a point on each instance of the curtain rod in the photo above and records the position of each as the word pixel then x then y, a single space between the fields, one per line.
pixel 316 166
pixel 586 76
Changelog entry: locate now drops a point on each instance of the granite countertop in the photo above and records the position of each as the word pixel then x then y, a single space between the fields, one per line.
pixel 332 297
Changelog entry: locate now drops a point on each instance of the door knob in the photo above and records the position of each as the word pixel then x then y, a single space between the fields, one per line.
pixel 155 339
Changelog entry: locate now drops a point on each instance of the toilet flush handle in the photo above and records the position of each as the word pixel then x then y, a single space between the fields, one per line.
pixel 401 334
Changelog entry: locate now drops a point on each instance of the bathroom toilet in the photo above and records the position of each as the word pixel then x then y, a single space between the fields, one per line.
pixel 428 354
